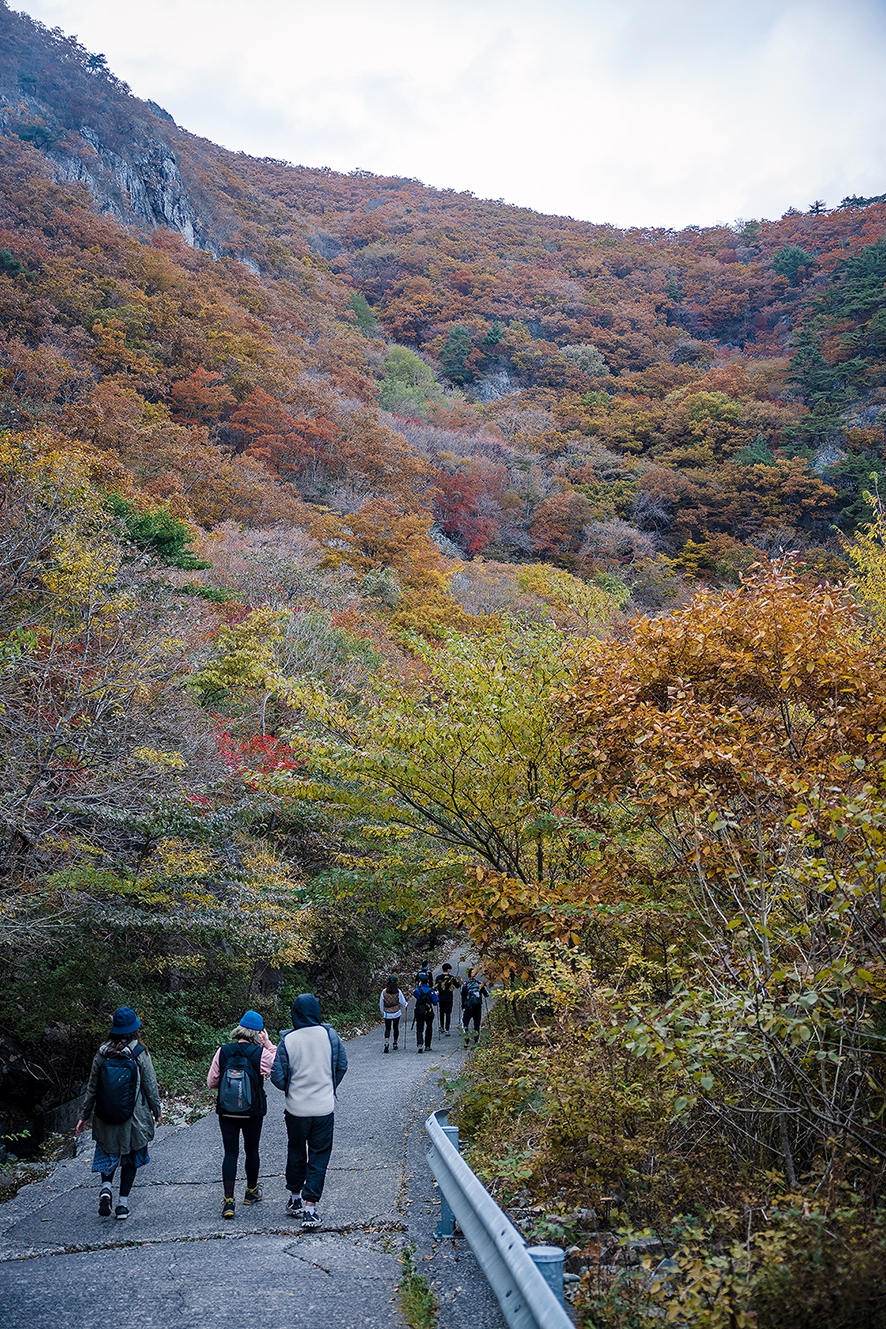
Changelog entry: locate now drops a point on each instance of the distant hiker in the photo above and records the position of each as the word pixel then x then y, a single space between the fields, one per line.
pixel 391 1003
pixel 238 1070
pixel 423 1019
pixel 309 1066
pixel 445 988
pixel 472 993
pixel 123 1101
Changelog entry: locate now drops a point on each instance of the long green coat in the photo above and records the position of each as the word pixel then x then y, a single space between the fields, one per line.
pixel 124 1137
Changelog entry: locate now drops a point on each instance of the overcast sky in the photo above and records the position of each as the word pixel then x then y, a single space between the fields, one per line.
pixel 637 112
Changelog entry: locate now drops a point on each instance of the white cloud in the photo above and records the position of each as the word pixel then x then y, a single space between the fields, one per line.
pixel 660 112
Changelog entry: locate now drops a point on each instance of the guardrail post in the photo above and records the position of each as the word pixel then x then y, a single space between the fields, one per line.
pixel 446 1226
pixel 548 1260
pixel 522 1288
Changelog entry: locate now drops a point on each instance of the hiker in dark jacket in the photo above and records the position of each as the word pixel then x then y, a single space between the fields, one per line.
pixel 473 990
pixel 309 1066
pixel 122 1144
pixel 250 1041
pixel 423 1019
pixel 445 988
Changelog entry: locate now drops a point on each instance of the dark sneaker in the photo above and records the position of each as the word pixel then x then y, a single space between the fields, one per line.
pixel 122 1211
pixel 395 1047
pixel 310 1218
pixel 228 1210
pixel 420 1051
pixel 253 1195
pixel 104 1202
pixel 293 1205
pixel 386 1047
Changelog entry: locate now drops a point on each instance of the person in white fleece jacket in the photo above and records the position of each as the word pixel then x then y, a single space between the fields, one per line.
pixel 309 1066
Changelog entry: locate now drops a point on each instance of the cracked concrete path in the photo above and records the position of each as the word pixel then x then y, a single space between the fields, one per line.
pixel 176 1264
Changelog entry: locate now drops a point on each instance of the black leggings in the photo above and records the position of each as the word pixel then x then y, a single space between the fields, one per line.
pixel 392 1024
pixel 471 1017
pixel 127 1177
pixel 230 1131
pixel 445 1014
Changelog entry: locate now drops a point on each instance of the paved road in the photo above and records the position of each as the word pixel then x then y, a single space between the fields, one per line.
pixel 175 1264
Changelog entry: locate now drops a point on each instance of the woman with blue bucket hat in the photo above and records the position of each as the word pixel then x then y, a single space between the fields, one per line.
pixel 123 1102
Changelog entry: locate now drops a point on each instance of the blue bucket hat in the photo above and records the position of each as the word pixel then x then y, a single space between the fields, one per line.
pixel 251 1020
pixel 125 1022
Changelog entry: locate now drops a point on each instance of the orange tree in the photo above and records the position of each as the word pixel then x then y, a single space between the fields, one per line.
pixel 745 736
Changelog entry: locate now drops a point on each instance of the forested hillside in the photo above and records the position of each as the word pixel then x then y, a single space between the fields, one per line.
pixel 379 563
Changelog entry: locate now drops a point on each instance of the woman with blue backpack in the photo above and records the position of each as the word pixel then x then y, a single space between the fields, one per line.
pixel 124 1103
pixel 238 1072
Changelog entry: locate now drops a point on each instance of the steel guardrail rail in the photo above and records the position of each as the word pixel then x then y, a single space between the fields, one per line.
pixel 525 1298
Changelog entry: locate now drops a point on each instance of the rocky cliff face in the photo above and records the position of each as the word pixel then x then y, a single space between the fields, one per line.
pixel 142 188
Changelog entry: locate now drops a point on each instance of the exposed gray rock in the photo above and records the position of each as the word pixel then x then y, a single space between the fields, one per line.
pixel 494 386
pixel 827 456
pixel 143 188
pixel 446 546
pixel 146 189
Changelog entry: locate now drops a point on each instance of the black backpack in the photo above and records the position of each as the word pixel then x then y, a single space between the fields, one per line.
pixel 472 999
pixel 239 1087
pixel 118 1085
pixel 424 1003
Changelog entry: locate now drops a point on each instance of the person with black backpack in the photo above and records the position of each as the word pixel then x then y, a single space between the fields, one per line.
pixel 423 1018
pixel 238 1071
pixel 445 988
pixel 124 1103
pixel 472 993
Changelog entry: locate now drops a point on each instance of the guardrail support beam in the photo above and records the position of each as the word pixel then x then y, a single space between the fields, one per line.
pixel 524 1295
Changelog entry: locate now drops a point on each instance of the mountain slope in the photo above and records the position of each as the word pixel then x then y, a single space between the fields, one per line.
pixel 587 394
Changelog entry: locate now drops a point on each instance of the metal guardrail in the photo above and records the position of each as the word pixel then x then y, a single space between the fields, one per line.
pixel 526 1300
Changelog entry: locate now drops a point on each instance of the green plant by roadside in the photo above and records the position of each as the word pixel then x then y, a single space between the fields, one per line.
pixel 417 1301
pixel 786 1268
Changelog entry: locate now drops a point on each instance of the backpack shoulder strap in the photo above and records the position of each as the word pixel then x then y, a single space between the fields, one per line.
pixel 328 1028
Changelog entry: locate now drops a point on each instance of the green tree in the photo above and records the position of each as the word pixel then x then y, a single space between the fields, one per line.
pixel 788 262
pixel 455 356
pixel 461 769
pixel 157 532
pixel 409 383
pixel 365 317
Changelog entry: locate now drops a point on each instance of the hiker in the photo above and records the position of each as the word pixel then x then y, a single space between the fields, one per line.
pixel 391 1002
pixel 238 1072
pixel 123 1101
pixel 423 1019
pixel 445 988
pixel 309 1066
pixel 473 991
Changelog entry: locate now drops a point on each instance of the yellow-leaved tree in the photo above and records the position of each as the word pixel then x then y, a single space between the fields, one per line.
pixel 867 549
